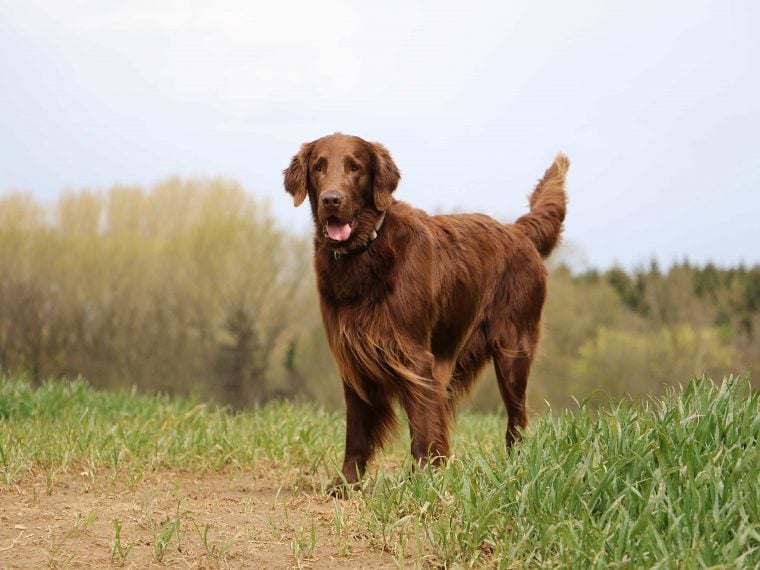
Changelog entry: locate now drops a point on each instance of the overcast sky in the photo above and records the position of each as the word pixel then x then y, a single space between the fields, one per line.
pixel 656 103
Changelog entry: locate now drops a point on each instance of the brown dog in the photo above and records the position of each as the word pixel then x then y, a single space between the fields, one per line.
pixel 414 305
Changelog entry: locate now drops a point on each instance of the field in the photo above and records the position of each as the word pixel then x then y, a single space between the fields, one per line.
pixel 90 479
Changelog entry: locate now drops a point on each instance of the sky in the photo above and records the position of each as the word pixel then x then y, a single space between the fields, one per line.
pixel 656 103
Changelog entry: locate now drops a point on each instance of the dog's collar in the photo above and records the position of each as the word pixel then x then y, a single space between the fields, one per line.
pixel 341 251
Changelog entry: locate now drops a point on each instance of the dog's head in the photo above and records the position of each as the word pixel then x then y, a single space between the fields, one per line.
pixel 348 181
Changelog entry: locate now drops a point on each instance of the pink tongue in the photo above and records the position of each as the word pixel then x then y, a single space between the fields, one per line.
pixel 339 232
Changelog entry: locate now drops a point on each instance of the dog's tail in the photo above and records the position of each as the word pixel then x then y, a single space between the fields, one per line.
pixel 543 225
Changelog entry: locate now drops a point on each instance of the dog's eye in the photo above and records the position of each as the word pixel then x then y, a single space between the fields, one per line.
pixel 318 167
pixel 355 167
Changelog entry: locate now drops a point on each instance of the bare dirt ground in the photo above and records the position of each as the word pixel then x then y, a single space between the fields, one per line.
pixel 226 520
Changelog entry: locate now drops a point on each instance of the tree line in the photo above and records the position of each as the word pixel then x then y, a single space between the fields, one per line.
pixel 192 287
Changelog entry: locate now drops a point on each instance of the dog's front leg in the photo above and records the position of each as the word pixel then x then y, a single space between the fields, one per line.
pixel 367 424
pixel 428 425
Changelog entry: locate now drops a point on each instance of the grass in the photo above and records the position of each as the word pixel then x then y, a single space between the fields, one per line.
pixel 672 483
pixel 214 551
pixel 67 425
pixel 119 550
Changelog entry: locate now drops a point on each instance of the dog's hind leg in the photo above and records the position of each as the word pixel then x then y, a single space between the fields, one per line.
pixel 512 359
pixel 512 375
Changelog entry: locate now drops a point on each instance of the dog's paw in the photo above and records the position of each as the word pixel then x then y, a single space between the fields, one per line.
pixel 342 489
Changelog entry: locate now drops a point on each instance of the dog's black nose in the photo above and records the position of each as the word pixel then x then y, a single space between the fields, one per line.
pixel 332 199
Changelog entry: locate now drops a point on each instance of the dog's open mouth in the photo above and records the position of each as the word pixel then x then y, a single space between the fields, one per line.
pixel 337 230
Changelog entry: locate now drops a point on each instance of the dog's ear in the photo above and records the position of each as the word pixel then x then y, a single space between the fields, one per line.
pixel 297 175
pixel 386 176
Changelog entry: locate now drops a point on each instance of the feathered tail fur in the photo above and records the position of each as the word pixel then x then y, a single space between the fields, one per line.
pixel 543 225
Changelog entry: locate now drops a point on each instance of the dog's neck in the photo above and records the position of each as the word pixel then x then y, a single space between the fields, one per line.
pixel 338 252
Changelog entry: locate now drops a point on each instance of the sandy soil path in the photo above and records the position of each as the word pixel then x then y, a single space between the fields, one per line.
pixel 226 520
